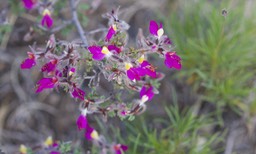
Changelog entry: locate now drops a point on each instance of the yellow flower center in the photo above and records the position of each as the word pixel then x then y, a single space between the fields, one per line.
pixel 46 12
pixel 141 59
pixel 48 142
pixel 105 50
pixel 114 27
pixel 160 32
pixel 23 149
pixel 144 99
pixel 70 73
pixel 128 66
pixel 95 135
pixel 31 56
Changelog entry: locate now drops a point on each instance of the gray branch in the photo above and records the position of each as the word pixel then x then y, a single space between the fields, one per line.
pixel 77 23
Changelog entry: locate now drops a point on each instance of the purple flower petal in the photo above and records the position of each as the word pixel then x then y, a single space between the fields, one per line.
pixel 99 56
pixel 114 48
pixel 91 133
pixel 119 148
pixel 141 71
pixel 28 4
pixel 47 19
pixel 124 147
pixel 81 122
pixel 73 69
pixel 172 60
pixel 55 144
pixel 58 73
pixel 50 66
pixel 94 49
pixel 153 27
pixel 110 34
pixel 160 26
pixel 96 52
pixel 28 63
pixel 78 93
pixel 45 83
pixel 148 91
pixel 88 132
pixel 133 74
pixel 118 151
pixel 149 69
pixel 168 41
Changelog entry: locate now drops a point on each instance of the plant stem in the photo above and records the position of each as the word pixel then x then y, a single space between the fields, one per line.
pixel 77 22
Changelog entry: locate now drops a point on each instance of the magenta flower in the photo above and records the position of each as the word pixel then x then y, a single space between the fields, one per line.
pixel 72 71
pixel 99 53
pixel 168 41
pixel 28 4
pixel 148 69
pixel 123 113
pixel 81 122
pixel 47 19
pixel 50 66
pixel 114 49
pixel 78 93
pixel 156 30
pixel 29 62
pixel 45 83
pixel 111 33
pixel 91 133
pixel 120 148
pixel 147 91
pixel 58 73
pixel 132 72
pixel 172 60
pixel 55 144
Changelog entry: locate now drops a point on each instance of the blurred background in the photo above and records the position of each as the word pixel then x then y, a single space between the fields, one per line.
pixel 208 107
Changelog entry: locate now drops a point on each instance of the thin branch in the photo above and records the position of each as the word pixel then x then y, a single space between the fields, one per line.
pixel 15 83
pixel 4 57
pixel 77 23
pixel 77 2
pixel 96 31
pixel 7 35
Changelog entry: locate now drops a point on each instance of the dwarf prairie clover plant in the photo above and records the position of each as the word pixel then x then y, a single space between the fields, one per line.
pixel 61 63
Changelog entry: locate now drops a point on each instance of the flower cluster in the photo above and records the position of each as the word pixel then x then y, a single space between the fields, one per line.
pixel 45 10
pixel 59 71
pixel 126 68
pixel 92 134
pixel 49 145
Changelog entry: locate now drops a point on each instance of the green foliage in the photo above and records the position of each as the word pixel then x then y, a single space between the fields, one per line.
pixel 3 30
pixel 30 151
pixel 182 133
pixel 77 151
pixel 81 10
pixel 67 30
pixel 218 52
pixel 65 147
pixel 15 7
